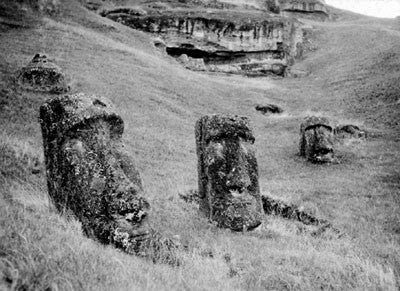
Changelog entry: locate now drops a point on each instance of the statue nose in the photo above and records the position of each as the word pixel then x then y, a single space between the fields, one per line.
pixel 238 179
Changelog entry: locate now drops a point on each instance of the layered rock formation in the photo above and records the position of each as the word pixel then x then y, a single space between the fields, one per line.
pixel 221 37
pixel 303 6
pixel 231 40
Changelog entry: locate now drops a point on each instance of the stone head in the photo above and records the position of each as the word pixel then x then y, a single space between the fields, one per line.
pixel 228 171
pixel 316 139
pixel 42 74
pixel 87 171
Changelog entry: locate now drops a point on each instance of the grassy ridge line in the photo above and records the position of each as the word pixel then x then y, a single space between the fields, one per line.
pixel 156 97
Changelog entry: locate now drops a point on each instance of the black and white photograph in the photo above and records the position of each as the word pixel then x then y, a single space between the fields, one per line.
pixel 199 145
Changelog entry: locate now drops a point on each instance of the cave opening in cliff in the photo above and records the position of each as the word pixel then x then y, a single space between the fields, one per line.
pixel 225 57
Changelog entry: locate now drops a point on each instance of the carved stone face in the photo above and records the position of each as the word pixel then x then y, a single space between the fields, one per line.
pixel 228 172
pixel 43 75
pixel 316 142
pixel 87 172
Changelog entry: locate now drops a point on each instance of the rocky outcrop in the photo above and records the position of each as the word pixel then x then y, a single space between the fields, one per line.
pixel 316 139
pixel 43 75
pixel 303 6
pixel 89 175
pixel 228 172
pixel 251 42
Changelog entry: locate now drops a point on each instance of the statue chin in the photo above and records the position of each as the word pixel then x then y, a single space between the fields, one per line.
pixel 240 213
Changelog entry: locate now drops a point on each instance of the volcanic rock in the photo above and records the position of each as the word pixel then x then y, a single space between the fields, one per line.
pixel 228 172
pixel 90 175
pixel 43 75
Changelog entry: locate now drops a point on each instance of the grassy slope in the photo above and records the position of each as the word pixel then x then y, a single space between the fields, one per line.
pixel 160 102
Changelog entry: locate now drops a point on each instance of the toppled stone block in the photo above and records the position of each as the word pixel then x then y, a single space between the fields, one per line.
pixel 89 175
pixel 279 208
pixel 269 108
pixel 228 172
pixel 42 75
pixel 316 139
pixel 349 130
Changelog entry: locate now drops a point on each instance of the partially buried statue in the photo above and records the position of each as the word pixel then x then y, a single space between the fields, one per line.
pixel 228 173
pixel 316 139
pixel 42 75
pixel 89 174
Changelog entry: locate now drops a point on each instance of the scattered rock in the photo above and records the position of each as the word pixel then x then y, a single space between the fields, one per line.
pixel 159 43
pixel 41 74
pixel 294 73
pixel 349 130
pixel 316 139
pixel 228 173
pixel 93 5
pixel 279 208
pixel 89 174
pixel 269 108
pixel 192 63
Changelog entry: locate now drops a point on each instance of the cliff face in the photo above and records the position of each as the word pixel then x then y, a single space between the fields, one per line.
pixel 252 42
pixel 304 6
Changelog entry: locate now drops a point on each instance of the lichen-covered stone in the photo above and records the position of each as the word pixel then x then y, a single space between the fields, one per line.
pixel 89 174
pixel 349 130
pixel 42 75
pixel 279 208
pixel 288 211
pixel 316 139
pixel 228 172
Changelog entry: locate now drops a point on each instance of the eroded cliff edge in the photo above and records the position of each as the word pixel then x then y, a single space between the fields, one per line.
pixel 221 37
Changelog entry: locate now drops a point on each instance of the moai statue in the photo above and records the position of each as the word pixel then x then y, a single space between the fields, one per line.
pixel 228 172
pixel 89 175
pixel 316 139
pixel 42 75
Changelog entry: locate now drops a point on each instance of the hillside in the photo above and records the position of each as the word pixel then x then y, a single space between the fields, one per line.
pixel 352 77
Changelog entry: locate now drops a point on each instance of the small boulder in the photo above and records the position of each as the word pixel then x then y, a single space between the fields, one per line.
pixel 349 130
pixel 269 108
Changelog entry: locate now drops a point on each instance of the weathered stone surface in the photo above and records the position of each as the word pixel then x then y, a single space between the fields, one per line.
pixel 228 172
pixel 276 207
pixel 279 208
pixel 251 42
pixel 288 211
pixel 304 6
pixel 349 130
pixel 191 63
pixel 269 108
pixel 41 74
pixel 316 139
pixel 90 175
